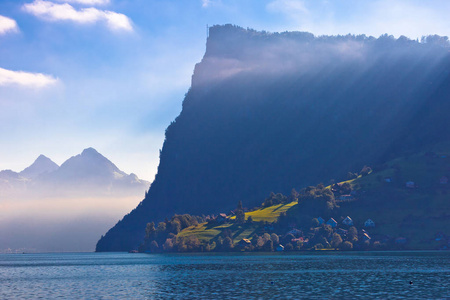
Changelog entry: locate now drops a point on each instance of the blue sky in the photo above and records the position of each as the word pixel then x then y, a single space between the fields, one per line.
pixel 112 74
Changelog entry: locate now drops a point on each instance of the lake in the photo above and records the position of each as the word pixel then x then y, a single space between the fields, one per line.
pixel 321 274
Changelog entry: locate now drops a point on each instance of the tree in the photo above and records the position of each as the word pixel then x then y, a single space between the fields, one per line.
pixel 168 245
pixel 365 171
pixel 240 215
pixel 275 239
pixel 288 247
pixel 150 231
pixel 336 240
pixel 293 196
pixel 154 246
pixel 352 234
pixel 346 246
pixel 268 246
pixel 315 222
pixel 249 220
pixel 227 244
pixel 240 205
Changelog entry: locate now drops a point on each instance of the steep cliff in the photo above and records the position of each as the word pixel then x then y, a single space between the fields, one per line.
pixel 272 111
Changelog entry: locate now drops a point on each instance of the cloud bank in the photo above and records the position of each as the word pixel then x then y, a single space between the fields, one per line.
pixel 65 12
pixel 26 79
pixel 7 25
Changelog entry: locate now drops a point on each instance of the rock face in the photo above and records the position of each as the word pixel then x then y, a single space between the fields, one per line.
pixel 271 112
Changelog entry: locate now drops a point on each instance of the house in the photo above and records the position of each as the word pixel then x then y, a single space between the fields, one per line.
pixel 443 180
pixel 321 221
pixel 410 184
pixel 244 243
pixel 388 179
pixel 346 197
pixel 221 218
pixel 348 221
pixel 369 223
pixel 280 247
pixel 332 222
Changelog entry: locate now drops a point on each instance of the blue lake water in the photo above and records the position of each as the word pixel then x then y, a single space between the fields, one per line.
pixel 321 275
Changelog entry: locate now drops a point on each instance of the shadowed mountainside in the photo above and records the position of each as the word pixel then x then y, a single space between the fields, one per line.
pixel 271 111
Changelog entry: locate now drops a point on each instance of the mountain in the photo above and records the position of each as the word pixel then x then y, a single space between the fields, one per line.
pixel 40 166
pixel 66 208
pixel 272 111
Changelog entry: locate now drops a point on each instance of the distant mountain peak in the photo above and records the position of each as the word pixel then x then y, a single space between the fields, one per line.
pixel 90 152
pixel 41 165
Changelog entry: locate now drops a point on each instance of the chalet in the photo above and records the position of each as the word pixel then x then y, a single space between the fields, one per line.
pixel 280 248
pixel 332 222
pixel 410 184
pixel 369 223
pixel 244 243
pixel 346 197
pixel 321 221
pixel 221 218
pixel 348 221
pixel 443 180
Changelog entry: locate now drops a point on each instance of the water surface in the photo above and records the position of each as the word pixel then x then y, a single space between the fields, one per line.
pixel 226 276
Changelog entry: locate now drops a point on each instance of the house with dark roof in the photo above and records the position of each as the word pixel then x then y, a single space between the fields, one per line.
pixel 348 221
pixel 332 222
pixel 369 223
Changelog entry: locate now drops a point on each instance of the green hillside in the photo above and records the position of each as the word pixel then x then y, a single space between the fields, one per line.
pixel 408 198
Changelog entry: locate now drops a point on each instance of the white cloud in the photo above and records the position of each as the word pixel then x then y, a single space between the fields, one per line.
pixel 26 79
pixel 65 12
pixel 206 3
pixel 7 25
pixel 87 2
pixel 291 8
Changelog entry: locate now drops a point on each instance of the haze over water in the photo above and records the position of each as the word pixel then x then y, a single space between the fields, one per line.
pixel 234 276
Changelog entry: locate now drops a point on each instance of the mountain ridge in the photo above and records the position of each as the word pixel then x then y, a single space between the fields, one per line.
pixel 90 169
pixel 271 111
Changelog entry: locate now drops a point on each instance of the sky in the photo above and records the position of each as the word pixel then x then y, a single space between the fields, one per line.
pixel 112 74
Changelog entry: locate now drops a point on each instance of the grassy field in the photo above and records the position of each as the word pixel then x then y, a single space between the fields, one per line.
pixel 205 232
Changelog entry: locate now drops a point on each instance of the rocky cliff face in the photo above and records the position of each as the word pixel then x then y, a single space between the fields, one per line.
pixel 271 112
